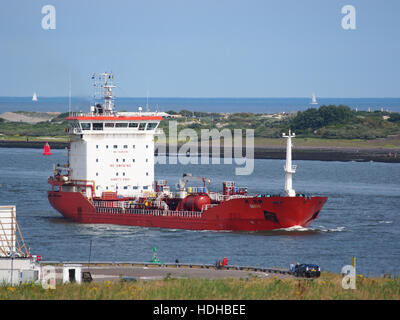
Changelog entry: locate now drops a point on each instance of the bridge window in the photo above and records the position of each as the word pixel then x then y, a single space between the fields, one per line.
pixel 151 125
pixel 109 125
pixel 133 124
pixel 75 125
pixel 98 126
pixel 142 125
pixel 85 126
pixel 121 125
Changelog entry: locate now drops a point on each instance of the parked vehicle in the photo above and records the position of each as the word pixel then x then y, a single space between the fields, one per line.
pixel 307 270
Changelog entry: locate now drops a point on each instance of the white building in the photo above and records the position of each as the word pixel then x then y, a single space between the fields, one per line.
pixel 15 265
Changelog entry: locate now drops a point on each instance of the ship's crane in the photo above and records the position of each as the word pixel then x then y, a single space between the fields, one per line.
pixel 188 177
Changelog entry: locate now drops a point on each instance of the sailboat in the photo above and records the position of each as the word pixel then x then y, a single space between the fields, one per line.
pixel 313 99
pixel 34 98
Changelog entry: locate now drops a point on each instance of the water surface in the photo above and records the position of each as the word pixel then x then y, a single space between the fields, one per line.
pixel 360 218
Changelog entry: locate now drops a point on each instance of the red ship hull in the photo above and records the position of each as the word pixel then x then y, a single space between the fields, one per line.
pixel 242 214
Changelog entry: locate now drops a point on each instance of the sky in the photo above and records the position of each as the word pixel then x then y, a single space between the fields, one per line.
pixel 207 48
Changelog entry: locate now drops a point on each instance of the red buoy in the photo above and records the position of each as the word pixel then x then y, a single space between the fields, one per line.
pixel 46 149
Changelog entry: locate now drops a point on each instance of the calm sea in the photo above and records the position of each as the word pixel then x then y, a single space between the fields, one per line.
pixel 360 218
pixel 256 105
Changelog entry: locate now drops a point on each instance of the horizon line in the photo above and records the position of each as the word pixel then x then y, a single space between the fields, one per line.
pixel 172 97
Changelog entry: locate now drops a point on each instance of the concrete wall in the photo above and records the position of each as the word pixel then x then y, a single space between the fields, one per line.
pixel 19 270
pixel 22 263
pixel 17 276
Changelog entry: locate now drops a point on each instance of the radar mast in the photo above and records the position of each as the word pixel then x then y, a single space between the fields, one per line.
pixel 103 85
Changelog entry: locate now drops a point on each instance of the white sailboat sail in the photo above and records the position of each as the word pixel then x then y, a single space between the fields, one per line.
pixel 313 99
pixel 34 98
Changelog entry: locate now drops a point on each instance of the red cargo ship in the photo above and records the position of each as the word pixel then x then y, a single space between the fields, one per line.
pixel 110 172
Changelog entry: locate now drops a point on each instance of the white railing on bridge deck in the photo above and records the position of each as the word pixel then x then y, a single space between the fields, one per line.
pixel 222 197
pixel 91 114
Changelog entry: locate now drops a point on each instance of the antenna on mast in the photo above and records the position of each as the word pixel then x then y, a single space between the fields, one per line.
pixel 147 101
pixel 69 95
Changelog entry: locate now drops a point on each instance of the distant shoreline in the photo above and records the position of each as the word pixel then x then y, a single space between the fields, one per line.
pixel 204 104
pixel 300 153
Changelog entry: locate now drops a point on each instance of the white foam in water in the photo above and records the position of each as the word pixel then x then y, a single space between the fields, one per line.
pixel 323 229
pixel 387 222
pixel 295 228
pixel 319 228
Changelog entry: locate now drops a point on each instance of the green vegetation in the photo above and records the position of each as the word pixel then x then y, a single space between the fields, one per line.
pixel 310 143
pixel 262 124
pixel 328 286
pixel 341 122
pixel 49 128
pixel 326 122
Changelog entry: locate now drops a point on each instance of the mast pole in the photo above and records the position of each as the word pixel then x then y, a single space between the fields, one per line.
pixel 69 96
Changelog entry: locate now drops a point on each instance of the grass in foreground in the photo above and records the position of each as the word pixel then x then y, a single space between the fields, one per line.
pixel 327 287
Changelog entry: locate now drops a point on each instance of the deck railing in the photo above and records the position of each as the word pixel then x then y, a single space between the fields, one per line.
pixel 152 212
pixel 222 197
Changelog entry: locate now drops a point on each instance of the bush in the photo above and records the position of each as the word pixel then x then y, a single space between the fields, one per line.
pixel 317 118
pixel 394 117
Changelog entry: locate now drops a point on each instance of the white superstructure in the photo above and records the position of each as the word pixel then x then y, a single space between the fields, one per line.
pixel 289 168
pixel 113 151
